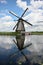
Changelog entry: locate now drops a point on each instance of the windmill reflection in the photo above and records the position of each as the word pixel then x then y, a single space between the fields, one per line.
pixel 20 41
pixel 20 44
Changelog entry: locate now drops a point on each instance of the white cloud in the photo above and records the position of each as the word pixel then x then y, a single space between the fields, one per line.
pixel 6 44
pixel 21 4
pixel 37 43
pixel 34 18
pixel 6 18
pixel 3 12
pixel 7 23
pixel 36 15
pixel 36 4
pixel 3 1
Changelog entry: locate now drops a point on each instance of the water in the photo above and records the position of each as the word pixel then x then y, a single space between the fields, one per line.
pixel 21 50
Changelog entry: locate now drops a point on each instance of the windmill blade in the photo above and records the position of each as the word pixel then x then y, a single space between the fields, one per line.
pixel 14 54
pixel 24 56
pixel 14 41
pixel 27 45
pixel 15 26
pixel 27 22
pixel 14 14
pixel 24 12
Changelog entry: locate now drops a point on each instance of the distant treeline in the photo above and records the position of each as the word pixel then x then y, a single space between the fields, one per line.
pixel 15 33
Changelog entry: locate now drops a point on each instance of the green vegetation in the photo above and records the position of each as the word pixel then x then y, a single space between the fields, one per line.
pixel 37 33
pixel 16 33
pixel 9 33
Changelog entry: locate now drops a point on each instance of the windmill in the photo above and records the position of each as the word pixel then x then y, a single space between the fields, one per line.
pixel 20 24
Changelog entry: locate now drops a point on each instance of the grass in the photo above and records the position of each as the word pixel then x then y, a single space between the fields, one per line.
pixel 37 33
pixel 16 33
pixel 9 33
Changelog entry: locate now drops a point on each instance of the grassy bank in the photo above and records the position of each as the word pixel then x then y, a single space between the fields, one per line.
pixel 16 33
pixel 37 33
pixel 9 33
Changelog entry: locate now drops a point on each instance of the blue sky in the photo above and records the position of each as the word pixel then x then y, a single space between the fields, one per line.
pixel 10 5
pixel 34 14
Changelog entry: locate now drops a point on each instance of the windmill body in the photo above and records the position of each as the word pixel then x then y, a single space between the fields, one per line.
pixel 20 24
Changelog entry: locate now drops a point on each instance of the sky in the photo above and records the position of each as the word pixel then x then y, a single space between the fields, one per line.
pixel 34 14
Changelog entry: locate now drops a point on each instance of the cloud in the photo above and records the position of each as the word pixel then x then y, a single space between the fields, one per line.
pixel 36 4
pixel 3 1
pixel 33 7
pixel 37 43
pixel 3 12
pixel 21 4
pixel 34 17
pixel 36 13
pixel 7 23
pixel 6 18
pixel 6 44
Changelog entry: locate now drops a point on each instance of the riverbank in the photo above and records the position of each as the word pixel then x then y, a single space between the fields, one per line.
pixel 8 33
pixel 36 33
pixel 16 33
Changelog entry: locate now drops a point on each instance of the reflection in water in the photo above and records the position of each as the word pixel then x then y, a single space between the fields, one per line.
pixel 18 50
pixel 20 41
pixel 20 44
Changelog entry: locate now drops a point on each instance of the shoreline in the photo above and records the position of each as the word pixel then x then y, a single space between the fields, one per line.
pixel 16 33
